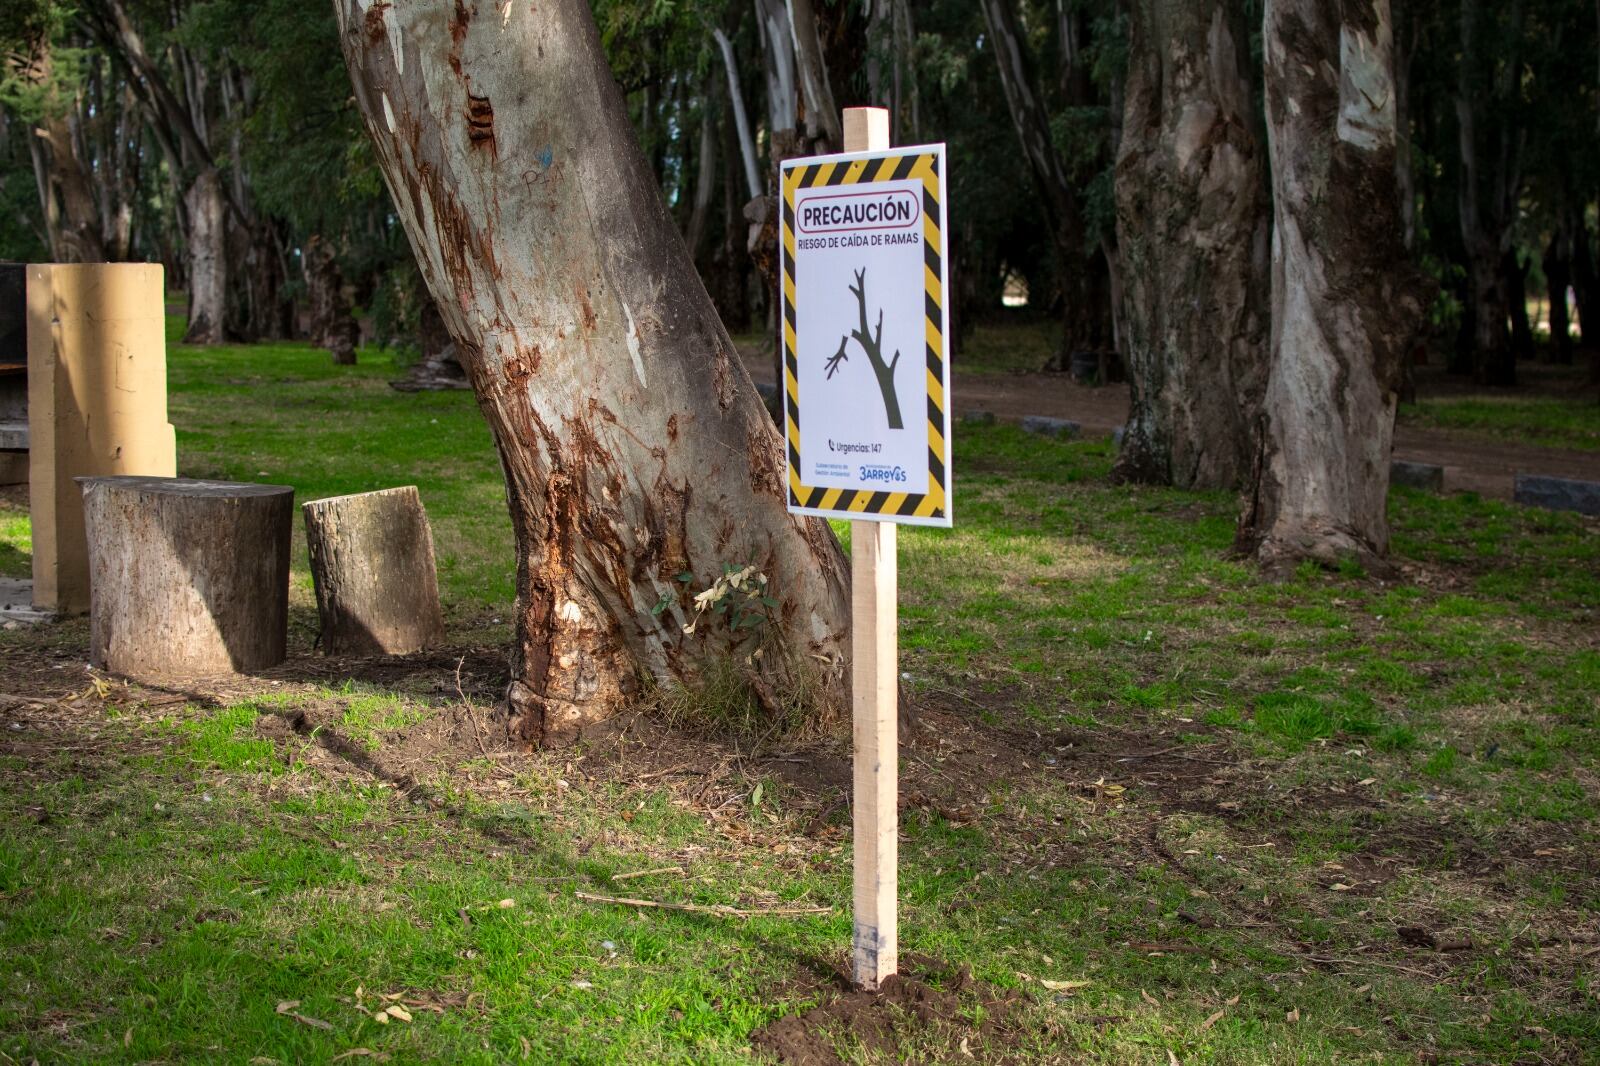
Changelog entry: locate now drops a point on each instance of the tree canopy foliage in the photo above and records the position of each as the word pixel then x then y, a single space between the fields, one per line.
pixel 117 112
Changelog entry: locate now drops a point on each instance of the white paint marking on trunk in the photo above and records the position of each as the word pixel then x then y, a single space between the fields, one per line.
pixel 633 345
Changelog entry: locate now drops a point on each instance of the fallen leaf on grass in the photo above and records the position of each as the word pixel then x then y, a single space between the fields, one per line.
pixel 1339 886
pixel 1172 1059
pixel 397 1011
pixel 527 1048
pixel 1063 986
pixel 1148 998
pixel 1293 1016
pixel 1367 781
pixel 1209 1022
pixel 286 1007
pixel 361 1053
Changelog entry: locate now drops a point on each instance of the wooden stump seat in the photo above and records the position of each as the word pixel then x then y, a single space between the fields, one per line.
pixel 187 578
pixel 373 567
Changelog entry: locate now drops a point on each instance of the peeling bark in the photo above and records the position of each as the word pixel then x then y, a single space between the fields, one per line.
pixel 1193 225
pixel 633 443
pixel 1345 300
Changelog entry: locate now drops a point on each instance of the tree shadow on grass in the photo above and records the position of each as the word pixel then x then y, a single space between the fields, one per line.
pixel 14 562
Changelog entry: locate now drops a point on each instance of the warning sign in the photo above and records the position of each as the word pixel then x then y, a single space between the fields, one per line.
pixel 866 390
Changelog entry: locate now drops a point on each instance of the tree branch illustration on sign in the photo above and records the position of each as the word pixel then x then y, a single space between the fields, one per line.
pixel 872 343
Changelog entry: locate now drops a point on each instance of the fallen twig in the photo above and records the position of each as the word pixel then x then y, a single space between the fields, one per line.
pixel 287 1009
pixel 472 712
pixel 695 908
pixel 1328 960
pixel 661 773
pixel 647 873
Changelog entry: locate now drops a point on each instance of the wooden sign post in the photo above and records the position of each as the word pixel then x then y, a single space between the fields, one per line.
pixel 874 699
pixel 874 444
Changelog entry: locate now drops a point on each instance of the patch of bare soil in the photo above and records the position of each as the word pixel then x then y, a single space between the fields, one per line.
pixel 928 1006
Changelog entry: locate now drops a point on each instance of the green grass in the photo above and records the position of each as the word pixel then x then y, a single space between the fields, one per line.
pixel 333 430
pixel 16 542
pixel 1552 421
pixel 170 873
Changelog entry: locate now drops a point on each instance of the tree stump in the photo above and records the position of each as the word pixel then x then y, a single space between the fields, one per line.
pixel 187 578
pixel 372 564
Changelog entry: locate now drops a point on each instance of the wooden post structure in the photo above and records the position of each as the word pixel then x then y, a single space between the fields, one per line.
pixel 97 405
pixel 874 692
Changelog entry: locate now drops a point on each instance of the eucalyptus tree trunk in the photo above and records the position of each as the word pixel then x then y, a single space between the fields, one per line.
pixel 1557 266
pixel 207 238
pixel 705 181
pixel 71 210
pixel 634 447
pixel 1062 208
pixel 741 120
pixel 1515 273
pixel 1491 147
pixel 821 114
pixel 1345 301
pixel 1193 225
pixel 777 63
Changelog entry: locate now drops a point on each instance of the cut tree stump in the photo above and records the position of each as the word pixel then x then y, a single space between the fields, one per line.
pixel 187 578
pixel 1557 493
pixel 1426 476
pixel 372 563
pixel 1051 427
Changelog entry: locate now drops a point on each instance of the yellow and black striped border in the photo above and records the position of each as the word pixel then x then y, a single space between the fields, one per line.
pixel 900 164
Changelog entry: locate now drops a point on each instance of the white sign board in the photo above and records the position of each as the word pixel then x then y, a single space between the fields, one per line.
pixel 865 317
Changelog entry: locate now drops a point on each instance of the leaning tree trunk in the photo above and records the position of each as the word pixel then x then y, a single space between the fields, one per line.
pixel 634 447
pixel 1345 301
pixel 207 239
pixel 1192 228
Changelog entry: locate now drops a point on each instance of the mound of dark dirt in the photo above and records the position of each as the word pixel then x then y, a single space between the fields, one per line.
pixel 928 1006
